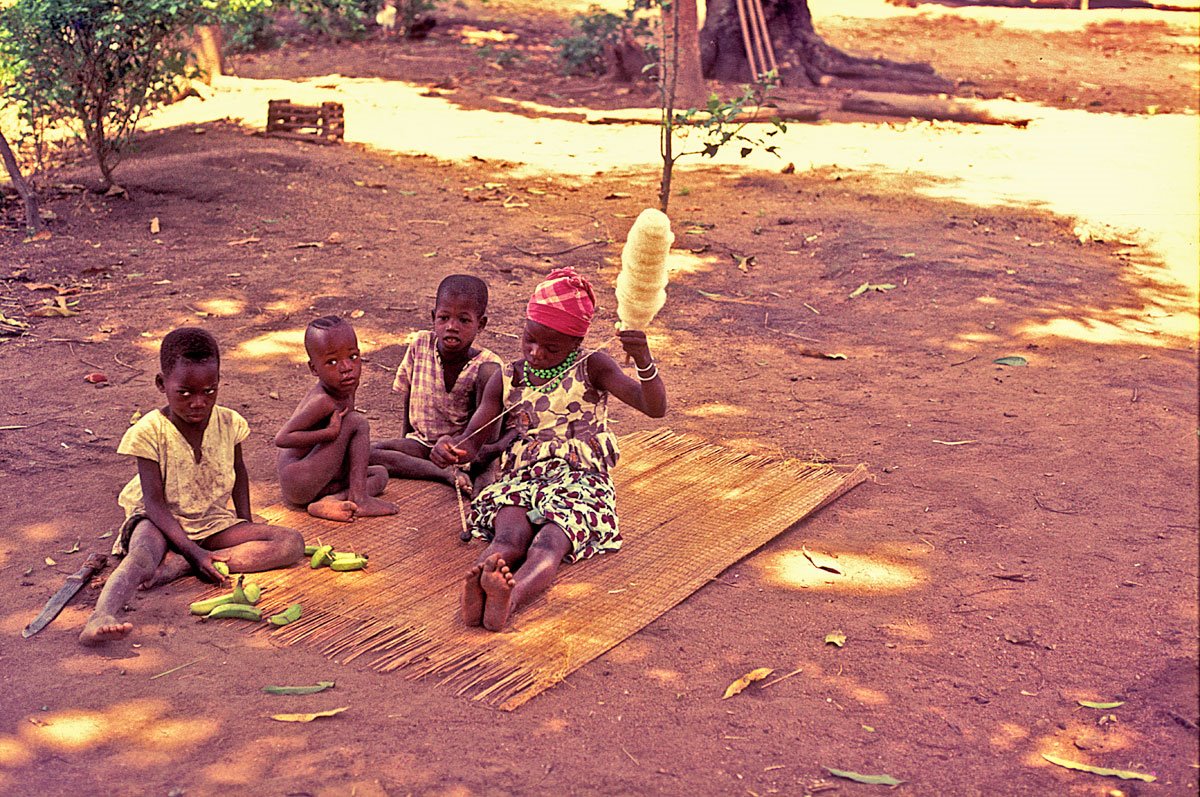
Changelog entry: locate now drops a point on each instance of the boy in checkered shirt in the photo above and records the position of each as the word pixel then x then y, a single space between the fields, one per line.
pixel 440 382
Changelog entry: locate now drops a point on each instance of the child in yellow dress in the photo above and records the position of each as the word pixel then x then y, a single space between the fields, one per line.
pixel 177 514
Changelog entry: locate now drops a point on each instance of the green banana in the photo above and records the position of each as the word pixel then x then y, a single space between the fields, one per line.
pixel 203 607
pixel 321 557
pixel 239 611
pixel 289 615
pixel 252 593
pixel 349 555
pixel 309 550
pixel 221 568
pixel 348 563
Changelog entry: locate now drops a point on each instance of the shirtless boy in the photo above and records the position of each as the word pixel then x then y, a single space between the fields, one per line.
pixel 325 446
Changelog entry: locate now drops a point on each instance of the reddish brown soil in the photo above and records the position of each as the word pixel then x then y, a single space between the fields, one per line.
pixel 1048 556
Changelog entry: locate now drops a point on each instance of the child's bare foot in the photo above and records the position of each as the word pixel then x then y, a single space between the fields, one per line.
pixel 374 507
pixel 472 597
pixel 333 509
pixel 172 566
pixel 497 583
pixel 102 628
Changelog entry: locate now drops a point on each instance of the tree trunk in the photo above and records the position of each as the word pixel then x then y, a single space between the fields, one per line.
pixel 803 56
pixel 33 216
pixel 690 91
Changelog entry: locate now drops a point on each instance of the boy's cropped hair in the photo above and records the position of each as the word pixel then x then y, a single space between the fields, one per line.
pixel 467 287
pixel 322 324
pixel 187 343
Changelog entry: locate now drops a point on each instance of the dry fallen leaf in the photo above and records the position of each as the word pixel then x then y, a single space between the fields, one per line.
pixel 57 307
pixel 50 562
pixel 243 241
pixel 308 717
pixel 740 684
pixel 155 227
pixel 835 638
pixel 819 565
pixel 42 235
pixel 357 313
pixel 1124 774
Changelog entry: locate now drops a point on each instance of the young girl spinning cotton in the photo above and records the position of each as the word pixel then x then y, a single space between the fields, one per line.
pixel 554 500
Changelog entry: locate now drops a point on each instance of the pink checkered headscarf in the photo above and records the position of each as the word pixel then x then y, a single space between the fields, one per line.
pixel 564 302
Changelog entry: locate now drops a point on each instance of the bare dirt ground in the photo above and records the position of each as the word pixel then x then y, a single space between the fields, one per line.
pixel 1029 538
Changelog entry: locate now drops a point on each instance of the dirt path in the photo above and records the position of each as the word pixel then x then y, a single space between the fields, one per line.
pixel 1028 540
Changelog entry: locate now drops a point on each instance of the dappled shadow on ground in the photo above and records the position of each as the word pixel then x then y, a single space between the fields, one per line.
pixel 1013 508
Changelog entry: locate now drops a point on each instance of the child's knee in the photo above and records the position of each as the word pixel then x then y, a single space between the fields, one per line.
pixel 292 543
pixel 356 422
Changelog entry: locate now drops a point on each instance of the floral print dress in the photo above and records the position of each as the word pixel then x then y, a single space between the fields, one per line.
pixel 557 468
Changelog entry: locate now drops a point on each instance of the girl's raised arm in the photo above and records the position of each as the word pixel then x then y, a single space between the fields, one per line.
pixel 647 393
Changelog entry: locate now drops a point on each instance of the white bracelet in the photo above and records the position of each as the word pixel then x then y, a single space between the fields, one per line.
pixel 649 378
pixel 647 368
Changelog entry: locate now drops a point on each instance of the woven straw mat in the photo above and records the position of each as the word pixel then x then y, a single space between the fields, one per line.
pixel 689 509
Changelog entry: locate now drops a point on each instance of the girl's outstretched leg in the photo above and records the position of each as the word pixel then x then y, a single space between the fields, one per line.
pixel 513 536
pixel 507 593
pixel 147 546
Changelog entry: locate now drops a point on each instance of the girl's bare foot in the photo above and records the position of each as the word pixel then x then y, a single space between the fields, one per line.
pixel 102 628
pixel 333 509
pixel 374 507
pixel 472 597
pixel 172 566
pixel 497 582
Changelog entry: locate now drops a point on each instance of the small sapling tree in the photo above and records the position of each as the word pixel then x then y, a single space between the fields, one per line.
pixel 704 131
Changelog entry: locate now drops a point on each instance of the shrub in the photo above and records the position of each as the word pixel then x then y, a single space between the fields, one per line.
pixel 583 53
pixel 248 24
pixel 98 63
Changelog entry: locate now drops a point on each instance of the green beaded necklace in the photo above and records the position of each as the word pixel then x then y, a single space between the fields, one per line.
pixel 555 374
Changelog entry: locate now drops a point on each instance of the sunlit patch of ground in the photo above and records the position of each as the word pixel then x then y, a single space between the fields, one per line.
pixel 857 572
pixel 1120 177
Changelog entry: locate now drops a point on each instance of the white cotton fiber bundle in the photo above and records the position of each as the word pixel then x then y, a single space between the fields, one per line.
pixel 642 283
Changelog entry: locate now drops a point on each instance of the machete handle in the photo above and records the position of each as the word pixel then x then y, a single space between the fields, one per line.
pixel 95 562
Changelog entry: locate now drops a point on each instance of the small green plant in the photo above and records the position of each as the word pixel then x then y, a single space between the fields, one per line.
pixel 95 63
